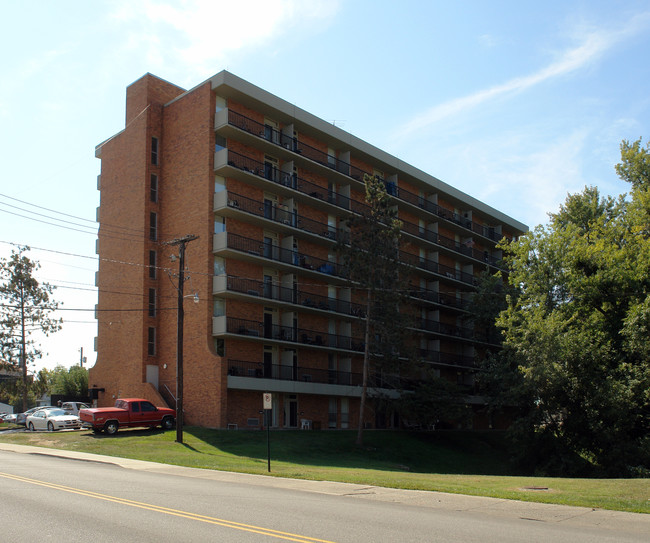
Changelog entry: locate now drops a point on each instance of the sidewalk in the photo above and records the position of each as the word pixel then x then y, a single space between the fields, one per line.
pixel 611 521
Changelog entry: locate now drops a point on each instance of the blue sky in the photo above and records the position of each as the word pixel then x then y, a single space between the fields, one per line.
pixel 515 103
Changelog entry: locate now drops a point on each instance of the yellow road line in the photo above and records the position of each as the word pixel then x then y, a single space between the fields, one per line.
pixel 175 512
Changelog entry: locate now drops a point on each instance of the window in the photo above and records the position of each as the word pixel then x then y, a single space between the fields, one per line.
pixel 219 307
pixel 220 103
pixel 152 302
pixel 220 346
pixel 219 143
pixel 152 264
pixel 332 413
pixel 154 151
pixel 153 188
pixel 151 341
pixel 153 226
pixel 147 407
pixel 345 413
pixel 219 183
pixel 219 224
pixel 219 265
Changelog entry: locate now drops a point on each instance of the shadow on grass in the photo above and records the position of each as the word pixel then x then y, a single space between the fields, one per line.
pixel 445 452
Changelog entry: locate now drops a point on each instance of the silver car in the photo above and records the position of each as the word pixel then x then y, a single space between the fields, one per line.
pixel 52 419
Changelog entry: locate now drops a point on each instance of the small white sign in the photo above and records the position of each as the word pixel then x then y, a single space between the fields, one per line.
pixel 267 398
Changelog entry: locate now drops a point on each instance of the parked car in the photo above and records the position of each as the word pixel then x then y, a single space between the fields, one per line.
pixel 11 418
pixel 72 408
pixel 51 419
pixel 127 413
pixel 21 418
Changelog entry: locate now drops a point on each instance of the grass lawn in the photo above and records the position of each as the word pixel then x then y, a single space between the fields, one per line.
pixel 472 463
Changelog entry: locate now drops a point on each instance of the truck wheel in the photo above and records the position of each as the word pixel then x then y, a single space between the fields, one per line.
pixel 167 423
pixel 111 427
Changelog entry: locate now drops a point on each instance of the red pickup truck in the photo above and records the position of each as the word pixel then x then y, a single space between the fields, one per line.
pixel 127 413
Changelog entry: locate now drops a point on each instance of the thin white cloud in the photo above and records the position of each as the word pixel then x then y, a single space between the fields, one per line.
pixel 592 47
pixel 203 33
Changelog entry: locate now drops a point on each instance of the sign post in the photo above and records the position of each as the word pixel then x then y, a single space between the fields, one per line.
pixel 267 399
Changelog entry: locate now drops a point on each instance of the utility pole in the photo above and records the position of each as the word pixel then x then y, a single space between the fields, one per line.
pixel 181 242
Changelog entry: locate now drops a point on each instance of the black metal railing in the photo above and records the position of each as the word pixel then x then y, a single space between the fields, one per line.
pixel 288 256
pixel 281 214
pixel 438 298
pixel 273 291
pixel 260 370
pixel 322 157
pixel 245 327
pixel 291 180
pixel 449 359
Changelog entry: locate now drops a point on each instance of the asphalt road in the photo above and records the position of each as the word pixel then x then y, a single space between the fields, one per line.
pixel 66 497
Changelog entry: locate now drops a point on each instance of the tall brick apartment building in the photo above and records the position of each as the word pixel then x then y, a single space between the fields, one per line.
pixel 267 188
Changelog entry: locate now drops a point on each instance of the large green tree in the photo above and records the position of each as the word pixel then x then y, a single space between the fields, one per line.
pixel 576 339
pixel 25 308
pixel 71 381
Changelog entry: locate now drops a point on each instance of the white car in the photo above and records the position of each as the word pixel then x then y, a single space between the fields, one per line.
pixel 72 408
pixel 52 419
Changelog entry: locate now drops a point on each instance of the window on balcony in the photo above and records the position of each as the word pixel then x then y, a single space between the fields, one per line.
pixel 332 413
pixel 345 413
pixel 220 103
pixel 219 143
pixel 219 265
pixel 219 183
pixel 218 307
pixel 219 224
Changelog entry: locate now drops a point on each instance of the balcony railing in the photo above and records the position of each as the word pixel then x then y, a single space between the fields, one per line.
pixel 272 173
pixel 259 370
pixel 245 327
pixel 273 291
pixel 282 215
pixel 439 298
pixel 279 254
pixel 293 181
pixel 448 359
pixel 439 269
pixel 321 157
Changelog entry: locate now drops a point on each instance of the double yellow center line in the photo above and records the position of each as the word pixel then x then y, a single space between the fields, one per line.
pixel 166 510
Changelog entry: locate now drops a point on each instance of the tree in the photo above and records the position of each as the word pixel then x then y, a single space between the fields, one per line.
pixel 372 258
pixel 71 381
pixel 576 331
pixel 25 308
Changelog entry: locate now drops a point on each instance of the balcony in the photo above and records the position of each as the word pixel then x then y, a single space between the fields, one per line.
pixel 439 270
pixel 271 291
pixel 267 331
pixel 439 298
pixel 259 370
pixel 228 202
pixel 446 359
pixel 225 242
pixel 279 140
pixel 286 182
pixel 289 180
